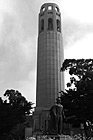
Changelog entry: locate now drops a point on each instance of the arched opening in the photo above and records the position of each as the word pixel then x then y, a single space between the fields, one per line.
pixel 50 24
pixel 49 7
pixel 57 9
pixel 42 25
pixel 43 9
pixel 58 26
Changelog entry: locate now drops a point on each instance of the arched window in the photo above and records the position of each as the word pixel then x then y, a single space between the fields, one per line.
pixel 50 24
pixel 42 25
pixel 43 9
pixel 57 9
pixel 50 8
pixel 58 26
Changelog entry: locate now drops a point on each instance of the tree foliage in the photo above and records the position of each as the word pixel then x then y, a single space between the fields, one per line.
pixel 13 111
pixel 78 98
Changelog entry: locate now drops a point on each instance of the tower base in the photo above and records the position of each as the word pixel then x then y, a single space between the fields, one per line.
pixel 41 120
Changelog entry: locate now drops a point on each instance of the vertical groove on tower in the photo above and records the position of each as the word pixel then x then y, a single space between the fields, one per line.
pixel 49 55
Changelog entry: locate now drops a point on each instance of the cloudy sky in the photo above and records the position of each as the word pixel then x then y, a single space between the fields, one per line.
pixel 18 39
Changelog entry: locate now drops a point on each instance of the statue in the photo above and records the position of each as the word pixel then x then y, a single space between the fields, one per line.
pixel 56 118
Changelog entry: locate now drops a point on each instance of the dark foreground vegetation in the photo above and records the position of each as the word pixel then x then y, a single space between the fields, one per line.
pixel 13 112
pixel 77 99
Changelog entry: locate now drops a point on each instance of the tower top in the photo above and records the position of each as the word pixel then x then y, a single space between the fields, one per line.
pixel 49 7
pixel 49 18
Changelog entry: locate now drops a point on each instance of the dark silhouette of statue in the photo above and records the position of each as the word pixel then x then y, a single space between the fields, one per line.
pixel 56 118
pixel 88 129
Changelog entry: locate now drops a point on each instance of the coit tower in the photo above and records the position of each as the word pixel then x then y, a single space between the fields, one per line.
pixel 50 81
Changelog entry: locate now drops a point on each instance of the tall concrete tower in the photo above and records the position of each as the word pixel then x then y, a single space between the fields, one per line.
pixel 50 81
pixel 50 56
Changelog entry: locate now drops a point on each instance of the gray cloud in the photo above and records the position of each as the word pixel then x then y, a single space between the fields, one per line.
pixel 74 31
pixel 16 50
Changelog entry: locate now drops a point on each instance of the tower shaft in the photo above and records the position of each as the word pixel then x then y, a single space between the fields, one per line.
pixel 50 81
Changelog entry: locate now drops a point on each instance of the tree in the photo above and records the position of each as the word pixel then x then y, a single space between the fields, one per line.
pixel 13 112
pixel 78 98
